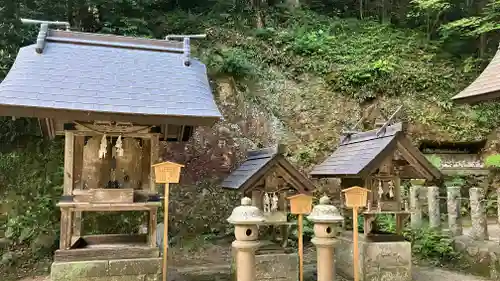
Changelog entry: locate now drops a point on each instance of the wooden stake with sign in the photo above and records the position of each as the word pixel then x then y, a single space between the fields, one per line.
pixel 166 173
pixel 355 197
pixel 300 204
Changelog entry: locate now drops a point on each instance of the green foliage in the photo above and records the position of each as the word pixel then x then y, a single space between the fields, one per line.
pixel 432 245
pixel 232 61
pixel 30 184
pixel 455 181
pixel 435 160
pixel 492 161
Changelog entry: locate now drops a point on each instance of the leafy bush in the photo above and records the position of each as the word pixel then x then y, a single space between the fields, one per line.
pixel 231 61
pixel 492 161
pixel 432 245
pixel 30 185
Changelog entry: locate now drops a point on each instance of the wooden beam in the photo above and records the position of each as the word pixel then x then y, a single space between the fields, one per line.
pixel 414 162
pixel 124 251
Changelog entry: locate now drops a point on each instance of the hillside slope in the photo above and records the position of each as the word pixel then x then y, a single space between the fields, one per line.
pixel 308 74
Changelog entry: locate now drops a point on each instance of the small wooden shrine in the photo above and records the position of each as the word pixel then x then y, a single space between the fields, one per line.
pixel 377 160
pixel 270 180
pixel 113 99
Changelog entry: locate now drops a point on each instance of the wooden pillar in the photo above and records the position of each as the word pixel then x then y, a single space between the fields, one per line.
pixel 153 227
pixel 498 205
pixel 66 217
pixel 77 181
pixel 433 202
pixel 453 204
pixel 478 214
pixel 154 152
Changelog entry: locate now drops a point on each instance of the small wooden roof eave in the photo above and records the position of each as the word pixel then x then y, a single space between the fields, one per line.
pixel 259 164
pixel 486 87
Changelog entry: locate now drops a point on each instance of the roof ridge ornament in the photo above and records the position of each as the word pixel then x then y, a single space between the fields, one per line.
pixel 389 121
pixel 187 44
pixel 44 29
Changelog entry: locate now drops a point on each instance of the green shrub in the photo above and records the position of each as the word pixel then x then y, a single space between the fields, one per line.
pixel 432 245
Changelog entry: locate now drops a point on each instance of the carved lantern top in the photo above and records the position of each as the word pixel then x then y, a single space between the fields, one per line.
pixel 246 214
pixel 325 212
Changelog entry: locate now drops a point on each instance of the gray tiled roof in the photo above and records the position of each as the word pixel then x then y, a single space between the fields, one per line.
pixel 355 154
pixel 485 87
pixel 361 153
pixel 110 79
pixel 256 161
pixel 260 163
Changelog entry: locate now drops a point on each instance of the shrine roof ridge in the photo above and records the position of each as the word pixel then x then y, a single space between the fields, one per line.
pixel 373 134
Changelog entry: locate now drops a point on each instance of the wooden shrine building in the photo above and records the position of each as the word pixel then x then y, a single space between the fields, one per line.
pixel 377 160
pixel 269 179
pixel 113 98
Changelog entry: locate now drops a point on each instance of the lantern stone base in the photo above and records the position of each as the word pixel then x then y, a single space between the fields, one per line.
pixel 274 267
pixel 142 269
pixel 388 260
pixel 282 267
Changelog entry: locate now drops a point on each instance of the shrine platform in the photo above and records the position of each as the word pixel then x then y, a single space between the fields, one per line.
pixel 383 257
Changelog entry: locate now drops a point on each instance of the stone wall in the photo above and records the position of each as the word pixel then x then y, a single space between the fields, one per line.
pixel 378 261
pixel 148 269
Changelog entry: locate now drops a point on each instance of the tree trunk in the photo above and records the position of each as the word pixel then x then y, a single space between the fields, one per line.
pixel 258 13
pixel 361 9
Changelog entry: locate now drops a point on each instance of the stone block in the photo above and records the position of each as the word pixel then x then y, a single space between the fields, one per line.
pixel 70 271
pixel 135 266
pixel 378 261
pixel 283 267
pixel 479 257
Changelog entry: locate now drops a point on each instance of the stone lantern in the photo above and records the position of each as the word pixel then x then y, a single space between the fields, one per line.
pixel 245 219
pixel 326 219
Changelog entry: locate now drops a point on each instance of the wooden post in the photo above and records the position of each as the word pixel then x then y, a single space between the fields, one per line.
pixel 355 197
pixel 166 173
pixel 301 249
pixel 300 204
pixel 165 232
pixel 355 258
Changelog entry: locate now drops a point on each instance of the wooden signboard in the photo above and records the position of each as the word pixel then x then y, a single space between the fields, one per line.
pixel 300 204
pixel 355 197
pixel 166 172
